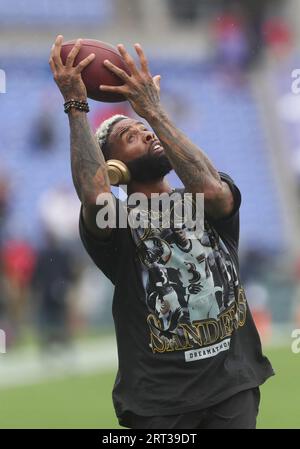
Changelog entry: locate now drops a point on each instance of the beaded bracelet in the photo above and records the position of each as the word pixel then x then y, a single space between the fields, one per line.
pixel 77 104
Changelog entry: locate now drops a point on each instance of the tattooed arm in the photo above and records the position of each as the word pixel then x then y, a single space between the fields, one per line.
pixel 190 163
pixel 89 171
pixel 88 166
pixel 192 166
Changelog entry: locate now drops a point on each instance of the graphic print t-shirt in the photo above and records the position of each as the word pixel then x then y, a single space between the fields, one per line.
pixel 186 339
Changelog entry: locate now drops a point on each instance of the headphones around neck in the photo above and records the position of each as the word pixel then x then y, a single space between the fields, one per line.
pixel 118 172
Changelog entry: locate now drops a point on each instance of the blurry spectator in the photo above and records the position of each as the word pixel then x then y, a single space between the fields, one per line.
pixel 184 11
pixel 43 134
pixel 278 36
pixel 94 292
pixel 242 32
pixel 231 41
pixel 255 264
pixel 4 207
pixel 57 266
pixel 258 299
pixel 59 211
pixel 18 261
pixel 254 12
pixel 52 278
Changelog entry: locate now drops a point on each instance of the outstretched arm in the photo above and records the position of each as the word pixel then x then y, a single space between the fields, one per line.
pixel 190 163
pixel 88 165
pixel 193 167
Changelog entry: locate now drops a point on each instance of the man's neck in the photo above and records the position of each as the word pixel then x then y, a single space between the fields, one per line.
pixel 158 186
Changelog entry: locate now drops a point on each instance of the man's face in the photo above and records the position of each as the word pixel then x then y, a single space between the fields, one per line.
pixel 138 147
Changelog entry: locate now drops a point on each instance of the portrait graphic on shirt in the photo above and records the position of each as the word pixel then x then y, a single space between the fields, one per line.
pixel 190 285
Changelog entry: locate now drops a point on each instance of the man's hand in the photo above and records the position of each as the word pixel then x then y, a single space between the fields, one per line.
pixel 141 89
pixel 67 77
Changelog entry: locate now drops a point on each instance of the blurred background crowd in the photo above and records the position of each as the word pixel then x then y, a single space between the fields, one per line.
pixel 226 70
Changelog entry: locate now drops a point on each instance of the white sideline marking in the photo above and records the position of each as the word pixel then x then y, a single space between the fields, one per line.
pixel 30 366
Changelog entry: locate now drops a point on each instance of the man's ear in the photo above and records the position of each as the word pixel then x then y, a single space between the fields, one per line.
pixel 156 80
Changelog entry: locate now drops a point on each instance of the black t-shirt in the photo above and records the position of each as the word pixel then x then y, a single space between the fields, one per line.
pixel 186 338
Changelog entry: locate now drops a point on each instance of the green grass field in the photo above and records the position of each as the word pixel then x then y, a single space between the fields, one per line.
pixel 85 401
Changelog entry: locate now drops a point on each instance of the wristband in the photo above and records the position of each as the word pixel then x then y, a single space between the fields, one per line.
pixel 76 104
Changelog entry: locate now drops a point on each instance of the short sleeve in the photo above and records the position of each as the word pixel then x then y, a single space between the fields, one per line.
pixel 104 253
pixel 235 192
pixel 229 227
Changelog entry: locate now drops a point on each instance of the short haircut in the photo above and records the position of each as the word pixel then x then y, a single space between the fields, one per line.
pixel 103 132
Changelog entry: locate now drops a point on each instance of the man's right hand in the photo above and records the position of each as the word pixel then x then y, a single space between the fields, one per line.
pixel 67 77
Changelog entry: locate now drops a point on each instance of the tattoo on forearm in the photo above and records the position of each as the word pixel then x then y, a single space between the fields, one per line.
pixel 190 163
pixel 87 161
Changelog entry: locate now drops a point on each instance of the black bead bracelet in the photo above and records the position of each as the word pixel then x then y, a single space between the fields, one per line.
pixel 76 104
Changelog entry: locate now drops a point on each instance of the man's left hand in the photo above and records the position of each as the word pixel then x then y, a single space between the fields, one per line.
pixel 140 88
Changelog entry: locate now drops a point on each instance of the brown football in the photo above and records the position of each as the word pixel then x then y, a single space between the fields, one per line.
pixel 96 73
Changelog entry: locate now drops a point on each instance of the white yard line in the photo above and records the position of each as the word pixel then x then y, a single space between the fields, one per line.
pixel 30 367
pixel 25 367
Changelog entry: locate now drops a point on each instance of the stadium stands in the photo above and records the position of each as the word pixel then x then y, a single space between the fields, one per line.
pixel 219 117
pixel 46 12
